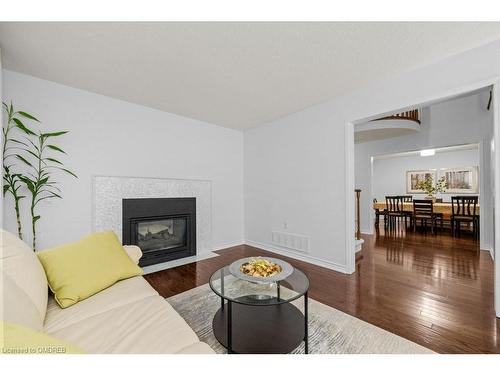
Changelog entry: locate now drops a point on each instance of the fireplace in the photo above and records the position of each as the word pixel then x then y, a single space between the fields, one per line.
pixel 164 228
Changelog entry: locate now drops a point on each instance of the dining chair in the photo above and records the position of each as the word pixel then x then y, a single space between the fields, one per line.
pixel 423 210
pixel 463 210
pixel 378 213
pixel 407 199
pixel 394 213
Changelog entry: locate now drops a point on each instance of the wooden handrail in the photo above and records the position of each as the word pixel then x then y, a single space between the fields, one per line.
pixel 358 224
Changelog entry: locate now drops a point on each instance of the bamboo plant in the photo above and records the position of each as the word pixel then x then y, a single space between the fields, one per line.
pixel 10 148
pixel 39 180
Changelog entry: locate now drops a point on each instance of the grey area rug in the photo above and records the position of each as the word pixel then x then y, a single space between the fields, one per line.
pixel 330 331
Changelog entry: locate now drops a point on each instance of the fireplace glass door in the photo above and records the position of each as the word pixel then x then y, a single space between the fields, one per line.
pixel 161 234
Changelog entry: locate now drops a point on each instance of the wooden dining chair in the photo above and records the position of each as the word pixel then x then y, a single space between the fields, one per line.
pixel 463 210
pixel 423 210
pixel 407 199
pixel 378 213
pixel 394 213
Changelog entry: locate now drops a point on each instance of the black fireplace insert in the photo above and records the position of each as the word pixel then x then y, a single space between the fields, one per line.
pixel 164 228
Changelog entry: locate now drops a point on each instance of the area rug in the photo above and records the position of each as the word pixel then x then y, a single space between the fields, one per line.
pixel 330 331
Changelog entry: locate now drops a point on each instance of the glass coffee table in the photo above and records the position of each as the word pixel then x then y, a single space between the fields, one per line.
pixel 259 317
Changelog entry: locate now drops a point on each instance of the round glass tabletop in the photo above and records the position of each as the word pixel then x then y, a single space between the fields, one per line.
pixel 229 287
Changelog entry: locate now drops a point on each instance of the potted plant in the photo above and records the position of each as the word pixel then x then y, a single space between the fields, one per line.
pixel 431 189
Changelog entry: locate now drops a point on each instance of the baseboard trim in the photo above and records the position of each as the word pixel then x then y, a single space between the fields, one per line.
pixel 226 246
pixel 490 250
pixel 292 254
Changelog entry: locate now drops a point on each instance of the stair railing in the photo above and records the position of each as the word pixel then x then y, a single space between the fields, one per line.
pixel 358 219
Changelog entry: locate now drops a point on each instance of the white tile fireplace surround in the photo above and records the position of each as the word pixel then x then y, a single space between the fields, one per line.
pixel 108 192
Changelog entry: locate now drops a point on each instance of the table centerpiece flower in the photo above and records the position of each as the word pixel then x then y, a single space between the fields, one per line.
pixel 432 189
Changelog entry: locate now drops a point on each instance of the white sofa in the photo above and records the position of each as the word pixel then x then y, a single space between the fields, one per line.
pixel 128 317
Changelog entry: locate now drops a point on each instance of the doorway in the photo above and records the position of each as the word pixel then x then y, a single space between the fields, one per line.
pixel 351 162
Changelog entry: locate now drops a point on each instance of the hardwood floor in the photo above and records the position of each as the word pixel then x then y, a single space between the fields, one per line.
pixel 435 290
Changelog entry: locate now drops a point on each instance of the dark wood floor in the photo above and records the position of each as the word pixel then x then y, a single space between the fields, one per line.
pixel 435 290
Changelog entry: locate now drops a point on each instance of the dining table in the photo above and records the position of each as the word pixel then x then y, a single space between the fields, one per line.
pixel 441 207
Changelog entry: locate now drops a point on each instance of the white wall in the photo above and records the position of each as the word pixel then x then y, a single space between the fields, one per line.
pixel 389 173
pixel 459 121
pixel 112 137
pixel 1 138
pixel 295 167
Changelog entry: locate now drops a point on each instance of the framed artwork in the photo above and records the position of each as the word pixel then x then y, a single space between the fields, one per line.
pixel 461 180
pixel 414 177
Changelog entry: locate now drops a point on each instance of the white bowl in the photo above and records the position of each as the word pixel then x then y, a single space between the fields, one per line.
pixel 286 270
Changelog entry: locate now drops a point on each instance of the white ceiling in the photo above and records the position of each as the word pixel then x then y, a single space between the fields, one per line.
pixel 237 75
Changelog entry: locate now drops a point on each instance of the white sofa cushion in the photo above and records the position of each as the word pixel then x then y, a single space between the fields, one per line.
pixel 21 265
pixel 149 325
pixel 16 306
pixel 119 294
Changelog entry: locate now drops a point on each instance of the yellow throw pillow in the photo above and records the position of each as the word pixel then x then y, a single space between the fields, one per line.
pixel 16 339
pixel 78 270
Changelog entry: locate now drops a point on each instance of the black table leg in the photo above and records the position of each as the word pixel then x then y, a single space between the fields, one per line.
pixel 278 290
pixel 229 327
pixel 306 323
pixel 222 287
